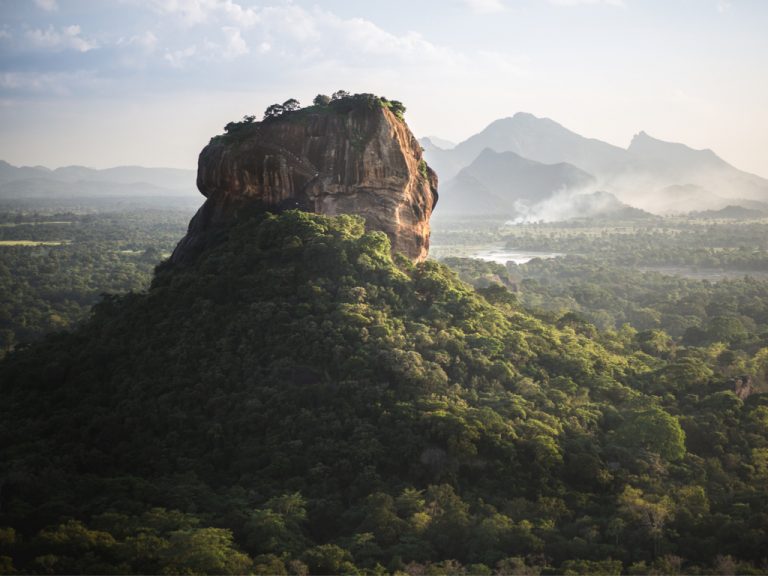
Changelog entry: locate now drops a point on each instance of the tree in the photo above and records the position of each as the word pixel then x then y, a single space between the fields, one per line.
pixel 649 511
pixel 339 94
pixel 273 111
pixel 397 108
pixel 726 329
pixel 654 430
pixel 655 342
pixel 329 559
pixel 687 373
pixel 321 100
pixel 291 105
pixel 204 551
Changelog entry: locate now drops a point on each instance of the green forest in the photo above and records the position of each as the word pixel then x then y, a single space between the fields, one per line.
pixel 54 265
pixel 297 401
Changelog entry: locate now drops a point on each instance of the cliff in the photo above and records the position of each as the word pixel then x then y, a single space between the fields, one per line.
pixel 352 156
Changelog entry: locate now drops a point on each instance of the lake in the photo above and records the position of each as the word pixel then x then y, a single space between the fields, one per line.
pixel 503 255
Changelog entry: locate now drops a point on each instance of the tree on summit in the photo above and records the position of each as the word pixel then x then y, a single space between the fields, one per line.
pixel 277 110
pixel 397 108
pixel 321 100
pixel 273 111
pixel 291 105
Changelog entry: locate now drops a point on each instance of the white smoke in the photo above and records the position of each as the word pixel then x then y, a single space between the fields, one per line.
pixel 564 204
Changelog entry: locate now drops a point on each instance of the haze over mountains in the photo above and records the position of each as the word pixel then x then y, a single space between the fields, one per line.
pixel 506 181
pixel 79 182
pixel 517 163
pixel 521 167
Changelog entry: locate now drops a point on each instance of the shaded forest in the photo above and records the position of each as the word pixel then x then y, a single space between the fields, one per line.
pixel 296 401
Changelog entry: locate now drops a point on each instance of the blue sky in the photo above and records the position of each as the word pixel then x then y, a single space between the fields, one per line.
pixel 103 83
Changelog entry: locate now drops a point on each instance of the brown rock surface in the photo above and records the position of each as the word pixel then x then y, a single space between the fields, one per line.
pixel 352 157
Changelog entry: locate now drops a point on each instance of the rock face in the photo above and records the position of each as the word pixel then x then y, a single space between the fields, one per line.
pixel 353 156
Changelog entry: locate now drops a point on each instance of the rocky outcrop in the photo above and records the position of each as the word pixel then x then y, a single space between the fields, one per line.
pixel 354 156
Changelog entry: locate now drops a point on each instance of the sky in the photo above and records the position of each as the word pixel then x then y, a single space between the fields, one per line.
pixel 147 82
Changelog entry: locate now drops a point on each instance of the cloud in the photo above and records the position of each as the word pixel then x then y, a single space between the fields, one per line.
pixel 179 58
pixel 47 5
pixel 485 6
pixel 66 38
pixel 232 46
pixel 308 37
pixel 194 12
pixel 303 36
pixel 320 37
pixel 361 36
pixel 586 2
pixel 146 42
pixel 136 52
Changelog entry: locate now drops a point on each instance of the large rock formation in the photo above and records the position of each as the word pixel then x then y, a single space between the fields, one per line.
pixel 353 156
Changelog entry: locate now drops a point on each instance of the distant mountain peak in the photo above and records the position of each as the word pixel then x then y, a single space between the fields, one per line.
pixel 643 143
pixel 438 142
pixel 642 138
pixel 527 119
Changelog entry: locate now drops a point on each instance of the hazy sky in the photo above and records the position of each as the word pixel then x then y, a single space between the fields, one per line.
pixel 148 82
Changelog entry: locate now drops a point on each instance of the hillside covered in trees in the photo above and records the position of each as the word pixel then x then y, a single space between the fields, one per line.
pixel 294 400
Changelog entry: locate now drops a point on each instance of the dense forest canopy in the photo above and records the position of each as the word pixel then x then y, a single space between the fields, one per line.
pixel 297 401
pixel 54 265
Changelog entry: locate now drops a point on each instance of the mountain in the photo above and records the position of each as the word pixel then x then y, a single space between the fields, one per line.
pixel 11 172
pixel 506 183
pixel 539 139
pixel 658 170
pixel 672 159
pixel 46 188
pixel 643 175
pixel 167 178
pixel 437 141
pixel 80 184
pixel 731 213
pixel 465 195
pixel 359 158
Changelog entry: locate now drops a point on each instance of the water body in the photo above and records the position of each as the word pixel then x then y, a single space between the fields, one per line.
pixel 502 255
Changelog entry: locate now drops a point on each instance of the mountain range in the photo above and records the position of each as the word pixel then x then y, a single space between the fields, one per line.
pixel 69 182
pixel 521 167
pixel 654 175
